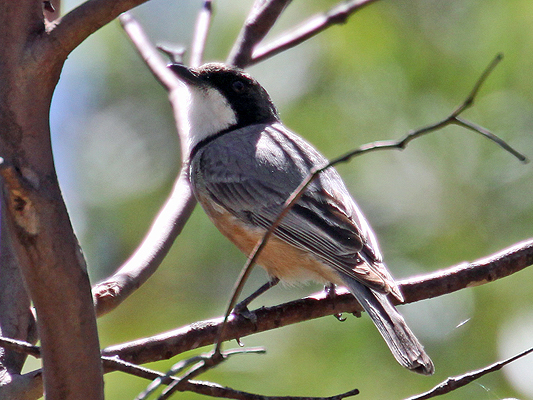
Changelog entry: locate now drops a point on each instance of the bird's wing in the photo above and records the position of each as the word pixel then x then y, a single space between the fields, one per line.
pixel 252 172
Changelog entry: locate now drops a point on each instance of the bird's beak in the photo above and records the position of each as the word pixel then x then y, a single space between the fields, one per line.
pixel 185 73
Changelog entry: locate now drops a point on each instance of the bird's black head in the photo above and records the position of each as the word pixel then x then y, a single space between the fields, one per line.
pixel 248 99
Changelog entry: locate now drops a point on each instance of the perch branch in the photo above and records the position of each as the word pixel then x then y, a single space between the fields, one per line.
pixel 203 333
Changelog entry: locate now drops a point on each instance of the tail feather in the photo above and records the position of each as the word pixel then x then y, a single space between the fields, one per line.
pixel 401 341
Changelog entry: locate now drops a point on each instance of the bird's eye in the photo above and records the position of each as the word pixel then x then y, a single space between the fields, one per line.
pixel 238 86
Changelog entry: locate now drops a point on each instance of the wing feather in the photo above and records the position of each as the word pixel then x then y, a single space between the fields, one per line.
pixel 254 170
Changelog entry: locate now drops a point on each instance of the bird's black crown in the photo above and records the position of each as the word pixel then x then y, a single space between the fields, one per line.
pixel 250 101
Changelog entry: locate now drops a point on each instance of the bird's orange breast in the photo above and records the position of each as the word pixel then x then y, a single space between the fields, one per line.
pixel 279 258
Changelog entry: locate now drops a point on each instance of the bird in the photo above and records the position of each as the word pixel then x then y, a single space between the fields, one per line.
pixel 243 164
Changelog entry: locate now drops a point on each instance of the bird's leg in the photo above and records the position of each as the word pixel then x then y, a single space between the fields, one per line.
pixel 242 307
pixel 331 293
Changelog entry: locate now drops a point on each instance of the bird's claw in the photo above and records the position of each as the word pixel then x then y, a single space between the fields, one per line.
pixel 242 310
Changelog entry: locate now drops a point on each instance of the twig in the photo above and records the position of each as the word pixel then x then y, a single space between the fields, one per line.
pixel 263 16
pixel 316 24
pixel 380 145
pixel 465 275
pixel 200 33
pixel 148 52
pixel 207 362
pixel 456 382
pixel 20 346
pixel 210 389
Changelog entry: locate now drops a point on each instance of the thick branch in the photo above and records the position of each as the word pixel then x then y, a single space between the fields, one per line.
pixel 36 217
pixel 167 345
pixel 72 29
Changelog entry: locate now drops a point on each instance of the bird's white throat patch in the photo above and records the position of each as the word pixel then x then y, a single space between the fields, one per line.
pixel 205 113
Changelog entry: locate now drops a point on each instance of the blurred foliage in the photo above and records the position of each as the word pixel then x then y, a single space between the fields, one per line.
pixel 449 197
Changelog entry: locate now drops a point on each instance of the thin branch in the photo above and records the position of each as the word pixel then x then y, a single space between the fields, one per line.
pixel 262 18
pixel 381 145
pixel 148 52
pixel 337 15
pixel 167 225
pixel 207 362
pixel 203 333
pixel 32 381
pixel 201 31
pixel 177 209
pixel 456 382
pixel 20 346
pixel 213 390
pixel 72 29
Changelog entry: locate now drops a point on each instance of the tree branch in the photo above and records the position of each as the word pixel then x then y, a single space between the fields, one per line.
pixel 168 224
pixel 37 221
pixel 319 23
pixel 456 382
pixel 178 207
pixel 69 31
pixel 16 318
pixel 262 18
pixel 464 275
pixel 201 30
pixel 164 346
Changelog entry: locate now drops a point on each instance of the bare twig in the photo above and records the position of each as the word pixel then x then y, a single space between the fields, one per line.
pixel 465 275
pixel 381 145
pixel 337 15
pixel 263 16
pixel 20 346
pixel 200 33
pixel 206 362
pixel 456 382
pixel 213 390
pixel 148 52
pixel 173 215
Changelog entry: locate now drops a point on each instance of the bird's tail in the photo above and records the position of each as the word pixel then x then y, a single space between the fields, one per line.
pixel 401 341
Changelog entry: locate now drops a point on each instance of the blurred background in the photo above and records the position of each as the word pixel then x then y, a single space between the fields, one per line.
pixel 449 197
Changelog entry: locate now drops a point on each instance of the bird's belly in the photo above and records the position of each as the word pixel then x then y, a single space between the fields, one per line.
pixel 280 259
